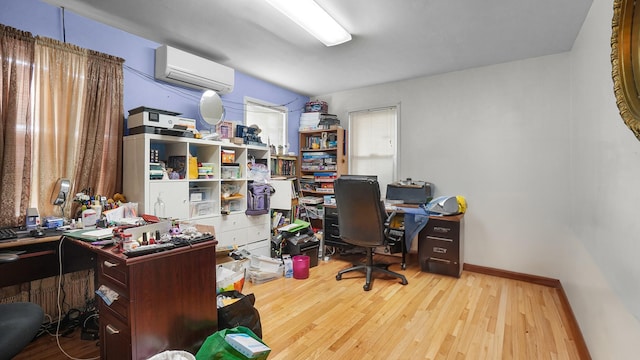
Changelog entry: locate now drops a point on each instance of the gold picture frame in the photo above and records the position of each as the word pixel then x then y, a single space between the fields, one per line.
pixel 625 61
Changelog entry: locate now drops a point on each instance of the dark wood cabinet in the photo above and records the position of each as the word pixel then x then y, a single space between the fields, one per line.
pixel 441 245
pixel 165 301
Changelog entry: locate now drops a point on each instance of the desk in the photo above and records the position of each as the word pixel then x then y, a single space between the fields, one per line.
pixel 166 300
pixel 40 260
pixel 331 232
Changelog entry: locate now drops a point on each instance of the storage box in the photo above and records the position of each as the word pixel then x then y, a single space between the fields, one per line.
pixel 228 156
pixel 230 172
pixel 199 194
pixel 202 208
pixel 316 106
pixel 247 345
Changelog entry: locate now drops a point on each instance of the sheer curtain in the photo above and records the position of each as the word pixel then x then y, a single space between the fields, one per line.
pixel 78 107
pixel 59 86
pixel 62 116
pixel 98 163
pixel 16 56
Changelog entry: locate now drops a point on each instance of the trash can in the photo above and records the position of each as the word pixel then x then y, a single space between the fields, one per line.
pixel 173 355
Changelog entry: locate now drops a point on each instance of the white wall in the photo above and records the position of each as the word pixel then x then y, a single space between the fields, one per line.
pixel 535 149
pixel 605 160
pixel 496 135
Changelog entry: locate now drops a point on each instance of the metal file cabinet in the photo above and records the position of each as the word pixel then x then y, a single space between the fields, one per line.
pixel 441 245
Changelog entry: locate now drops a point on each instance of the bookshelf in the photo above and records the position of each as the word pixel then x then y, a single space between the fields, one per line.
pixel 323 158
pixel 284 166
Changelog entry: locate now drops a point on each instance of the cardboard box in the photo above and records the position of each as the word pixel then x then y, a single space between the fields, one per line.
pixel 247 345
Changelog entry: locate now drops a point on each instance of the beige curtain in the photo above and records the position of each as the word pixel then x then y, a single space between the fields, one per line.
pixel 16 56
pixel 99 157
pixel 79 104
pixel 59 87
pixel 74 130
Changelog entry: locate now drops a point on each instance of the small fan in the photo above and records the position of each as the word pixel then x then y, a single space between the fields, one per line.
pixel 211 111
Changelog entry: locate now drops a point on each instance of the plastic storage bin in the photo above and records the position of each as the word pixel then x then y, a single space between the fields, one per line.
pixel 230 172
pixel 202 208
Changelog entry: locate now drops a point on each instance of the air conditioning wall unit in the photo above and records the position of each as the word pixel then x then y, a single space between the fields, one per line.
pixel 188 70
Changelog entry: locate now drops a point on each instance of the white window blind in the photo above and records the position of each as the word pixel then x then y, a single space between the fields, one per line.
pixel 373 144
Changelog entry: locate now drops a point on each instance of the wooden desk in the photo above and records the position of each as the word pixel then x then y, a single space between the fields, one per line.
pixel 166 300
pixel 40 259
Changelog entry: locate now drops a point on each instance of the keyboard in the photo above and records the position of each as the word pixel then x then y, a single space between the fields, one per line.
pixel 149 249
pixel 175 242
pixel 182 240
pixel 8 234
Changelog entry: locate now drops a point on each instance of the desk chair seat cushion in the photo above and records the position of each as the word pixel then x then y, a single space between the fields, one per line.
pixel 19 323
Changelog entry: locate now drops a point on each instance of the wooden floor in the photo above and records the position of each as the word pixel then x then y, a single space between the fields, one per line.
pixel 433 317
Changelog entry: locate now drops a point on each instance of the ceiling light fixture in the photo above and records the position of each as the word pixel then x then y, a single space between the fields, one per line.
pixel 311 17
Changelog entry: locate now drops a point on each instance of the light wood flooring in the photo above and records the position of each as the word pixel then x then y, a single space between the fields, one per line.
pixel 433 317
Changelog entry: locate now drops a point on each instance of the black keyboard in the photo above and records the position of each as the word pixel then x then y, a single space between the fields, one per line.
pixel 149 249
pixel 182 240
pixel 8 234
pixel 175 242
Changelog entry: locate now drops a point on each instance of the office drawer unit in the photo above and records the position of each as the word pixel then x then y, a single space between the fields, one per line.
pixel 441 245
pixel 331 230
pixel 165 301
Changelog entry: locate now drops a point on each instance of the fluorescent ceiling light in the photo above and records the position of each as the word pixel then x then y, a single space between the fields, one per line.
pixel 311 17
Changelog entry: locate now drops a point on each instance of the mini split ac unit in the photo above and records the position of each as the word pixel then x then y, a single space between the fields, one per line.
pixel 181 68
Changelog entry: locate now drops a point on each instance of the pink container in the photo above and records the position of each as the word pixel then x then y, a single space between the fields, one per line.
pixel 300 266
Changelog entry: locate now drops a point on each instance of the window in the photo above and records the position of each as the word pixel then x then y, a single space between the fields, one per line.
pixel 271 119
pixel 373 144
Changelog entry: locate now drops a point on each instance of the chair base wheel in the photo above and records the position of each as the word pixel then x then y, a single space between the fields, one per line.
pixel 339 277
pixel 367 287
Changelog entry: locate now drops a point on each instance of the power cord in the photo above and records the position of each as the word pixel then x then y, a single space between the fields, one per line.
pixel 60 306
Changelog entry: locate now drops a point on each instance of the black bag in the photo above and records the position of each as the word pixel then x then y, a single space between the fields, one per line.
pixel 240 313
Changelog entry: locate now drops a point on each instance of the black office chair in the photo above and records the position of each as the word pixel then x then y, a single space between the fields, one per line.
pixel 19 322
pixel 362 222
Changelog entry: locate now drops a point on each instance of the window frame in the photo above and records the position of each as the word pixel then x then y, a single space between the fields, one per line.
pixel 249 102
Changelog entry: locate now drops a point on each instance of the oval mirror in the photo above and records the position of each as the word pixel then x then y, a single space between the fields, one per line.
pixel 211 109
pixel 625 43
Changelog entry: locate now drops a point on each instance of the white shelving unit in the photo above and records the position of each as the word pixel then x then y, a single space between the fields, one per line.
pixel 218 199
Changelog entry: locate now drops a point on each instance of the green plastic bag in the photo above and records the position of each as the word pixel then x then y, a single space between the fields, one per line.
pixel 215 347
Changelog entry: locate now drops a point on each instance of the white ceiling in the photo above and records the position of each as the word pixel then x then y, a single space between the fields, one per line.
pixel 392 39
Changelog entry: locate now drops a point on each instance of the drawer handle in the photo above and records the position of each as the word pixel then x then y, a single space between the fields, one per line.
pixel 112 330
pixel 109 264
pixel 440 260
pixel 334 225
pixel 335 237
pixel 439 238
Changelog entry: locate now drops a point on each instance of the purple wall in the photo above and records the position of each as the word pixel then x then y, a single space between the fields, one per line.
pixel 139 90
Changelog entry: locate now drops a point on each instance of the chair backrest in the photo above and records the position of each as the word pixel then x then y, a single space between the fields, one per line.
pixel 360 210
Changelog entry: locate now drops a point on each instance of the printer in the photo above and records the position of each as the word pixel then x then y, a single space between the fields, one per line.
pixel 410 191
pixel 144 119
